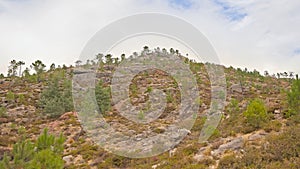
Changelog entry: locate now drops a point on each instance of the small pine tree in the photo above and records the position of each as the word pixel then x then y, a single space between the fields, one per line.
pixel 103 97
pixel 294 97
pixel 4 164
pixel 46 141
pixel 22 152
pixel 51 100
pixel 56 100
pixel 256 113
pixel 39 68
pixel 46 159
pixel 46 152
pixel 12 69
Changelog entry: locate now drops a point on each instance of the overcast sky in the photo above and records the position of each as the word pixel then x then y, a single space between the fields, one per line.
pixel 257 34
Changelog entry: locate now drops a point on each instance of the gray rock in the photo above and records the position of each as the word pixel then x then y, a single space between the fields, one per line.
pixel 234 144
pixel 201 157
pixel 236 88
pixel 256 136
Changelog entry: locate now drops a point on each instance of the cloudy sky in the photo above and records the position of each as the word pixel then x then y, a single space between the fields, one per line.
pixel 257 34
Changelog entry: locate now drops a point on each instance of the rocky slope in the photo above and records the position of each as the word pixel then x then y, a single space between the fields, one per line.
pixel 20 98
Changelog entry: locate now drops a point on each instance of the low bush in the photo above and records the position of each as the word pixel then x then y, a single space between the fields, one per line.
pixel 285 145
pixel 274 125
pixel 279 151
pixel 10 96
pixel 21 99
pixel 228 161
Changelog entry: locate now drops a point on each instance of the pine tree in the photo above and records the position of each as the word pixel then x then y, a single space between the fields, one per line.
pixel 294 97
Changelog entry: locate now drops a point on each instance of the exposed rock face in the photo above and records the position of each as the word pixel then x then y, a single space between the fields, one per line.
pixel 257 136
pixel 236 88
pixel 78 146
pixel 233 145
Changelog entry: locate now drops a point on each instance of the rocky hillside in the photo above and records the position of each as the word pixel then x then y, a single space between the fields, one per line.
pixel 258 129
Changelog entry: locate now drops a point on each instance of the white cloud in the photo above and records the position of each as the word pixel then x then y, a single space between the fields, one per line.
pixel 57 30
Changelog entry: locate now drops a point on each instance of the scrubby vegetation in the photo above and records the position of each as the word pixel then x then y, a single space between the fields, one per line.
pixel 279 151
pixel 294 98
pixel 103 97
pixel 57 97
pixel 3 112
pixel 45 152
pixel 261 111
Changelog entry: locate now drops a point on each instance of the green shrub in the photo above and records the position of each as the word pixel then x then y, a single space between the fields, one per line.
pixel 3 112
pixel 46 159
pixel 31 78
pixel 228 161
pixel 141 115
pixel 22 152
pixel 10 96
pixel 103 97
pixel 149 89
pixel 256 113
pixel 294 98
pixel 133 89
pixel 294 120
pixel 233 107
pixel 169 97
pixel 4 164
pixel 46 141
pixel 233 123
pixel 21 99
pixel 285 145
pixel 272 126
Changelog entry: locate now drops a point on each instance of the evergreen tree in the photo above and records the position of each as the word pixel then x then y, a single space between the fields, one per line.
pixel 99 58
pixel 39 68
pixel 294 97
pixel 56 100
pixel 12 69
pixel 52 67
pixel 108 59
pixel 102 97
